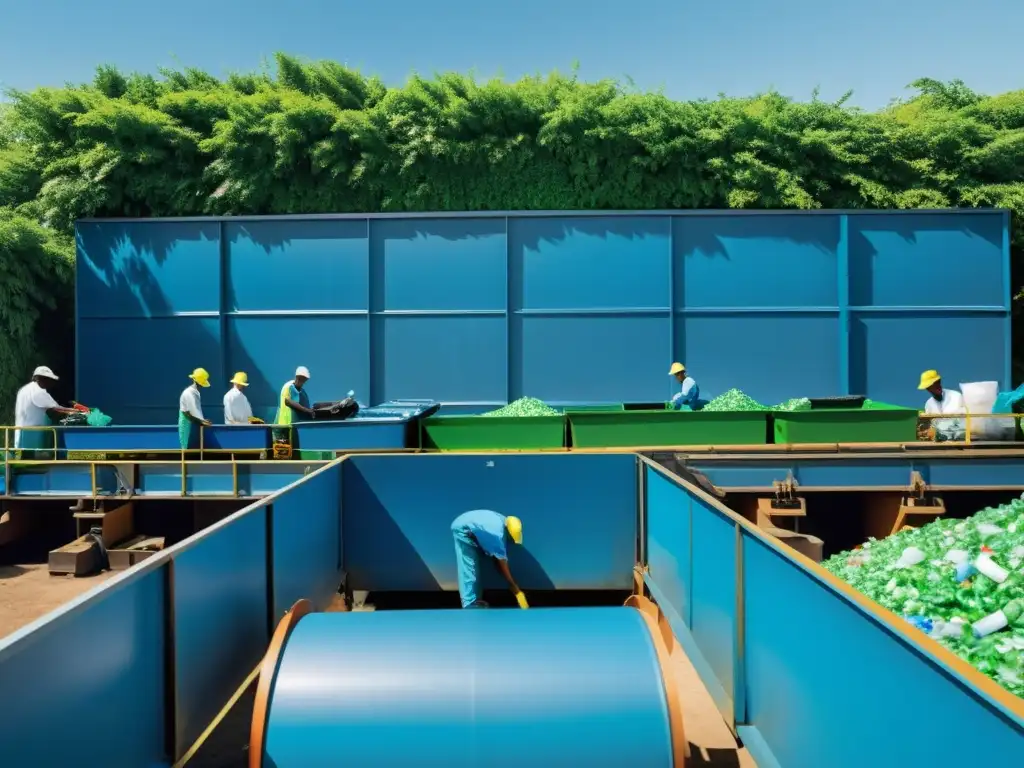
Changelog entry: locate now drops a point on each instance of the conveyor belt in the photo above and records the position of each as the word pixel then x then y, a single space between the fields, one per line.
pixel 539 688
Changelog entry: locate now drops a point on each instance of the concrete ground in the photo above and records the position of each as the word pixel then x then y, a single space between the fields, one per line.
pixel 28 592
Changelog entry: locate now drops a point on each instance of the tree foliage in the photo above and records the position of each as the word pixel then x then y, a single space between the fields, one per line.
pixel 307 137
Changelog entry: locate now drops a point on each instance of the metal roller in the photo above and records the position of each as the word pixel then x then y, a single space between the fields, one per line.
pixel 543 687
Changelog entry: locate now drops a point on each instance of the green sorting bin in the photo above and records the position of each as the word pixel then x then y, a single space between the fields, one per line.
pixel 667 429
pixel 302 455
pixel 617 407
pixel 487 433
pixel 873 423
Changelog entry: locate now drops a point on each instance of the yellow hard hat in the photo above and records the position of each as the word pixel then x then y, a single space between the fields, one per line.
pixel 676 368
pixel 241 379
pixel 515 529
pixel 200 377
pixel 928 378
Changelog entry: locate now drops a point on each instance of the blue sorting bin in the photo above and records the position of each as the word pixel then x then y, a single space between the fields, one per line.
pixel 123 438
pixel 237 437
pixel 391 425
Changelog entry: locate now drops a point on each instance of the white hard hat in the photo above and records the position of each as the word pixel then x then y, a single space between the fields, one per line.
pixel 45 372
pixel 302 371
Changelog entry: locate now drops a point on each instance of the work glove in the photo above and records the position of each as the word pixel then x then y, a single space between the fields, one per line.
pixel 521 599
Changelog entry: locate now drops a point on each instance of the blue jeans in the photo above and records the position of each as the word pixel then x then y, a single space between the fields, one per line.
pixel 467 557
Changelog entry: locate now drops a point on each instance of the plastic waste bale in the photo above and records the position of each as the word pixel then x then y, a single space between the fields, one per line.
pixel 524 406
pixel 97 418
pixel 959 581
pixel 733 400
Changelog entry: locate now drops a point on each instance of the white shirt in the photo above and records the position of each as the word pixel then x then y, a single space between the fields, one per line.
pixel 30 408
pixel 236 407
pixel 688 384
pixel 189 402
pixel 952 402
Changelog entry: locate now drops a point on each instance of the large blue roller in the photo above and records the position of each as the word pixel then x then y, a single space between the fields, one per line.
pixel 537 688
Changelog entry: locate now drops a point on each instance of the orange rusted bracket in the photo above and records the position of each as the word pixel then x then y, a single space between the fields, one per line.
pixel 918 506
pixel 785 503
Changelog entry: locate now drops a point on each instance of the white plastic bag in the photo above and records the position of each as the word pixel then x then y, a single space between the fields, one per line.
pixel 979 397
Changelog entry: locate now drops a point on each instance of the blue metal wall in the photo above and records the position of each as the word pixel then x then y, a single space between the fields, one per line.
pixel 131 673
pixel 476 310
pixel 812 673
pixel 578 513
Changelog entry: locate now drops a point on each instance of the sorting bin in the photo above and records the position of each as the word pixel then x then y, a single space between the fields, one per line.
pixel 872 423
pixel 667 429
pixel 483 433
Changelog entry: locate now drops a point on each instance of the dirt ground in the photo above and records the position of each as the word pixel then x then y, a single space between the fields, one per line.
pixel 29 591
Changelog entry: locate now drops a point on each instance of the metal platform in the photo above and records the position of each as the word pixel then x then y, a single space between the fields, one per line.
pixel 150 479
pixel 853 468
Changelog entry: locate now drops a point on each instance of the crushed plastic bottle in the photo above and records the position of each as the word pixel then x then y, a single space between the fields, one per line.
pixel 974 609
pixel 524 406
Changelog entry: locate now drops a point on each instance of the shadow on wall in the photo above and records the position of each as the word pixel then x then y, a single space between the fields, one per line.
pixel 140 289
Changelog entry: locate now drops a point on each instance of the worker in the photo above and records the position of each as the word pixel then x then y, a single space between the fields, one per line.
pixel 689 394
pixel 236 405
pixel 484 531
pixel 943 400
pixel 190 409
pixel 294 398
pixel 34 406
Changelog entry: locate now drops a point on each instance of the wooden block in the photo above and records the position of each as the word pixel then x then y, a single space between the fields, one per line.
pixel 16 524
pixel 79 558
pixel 117 524
pixel 809 546
pixel 133 551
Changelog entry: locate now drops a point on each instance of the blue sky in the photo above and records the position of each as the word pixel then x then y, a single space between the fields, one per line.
pixel 689 49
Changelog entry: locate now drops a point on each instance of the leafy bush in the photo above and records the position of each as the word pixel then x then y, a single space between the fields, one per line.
pixel 318 137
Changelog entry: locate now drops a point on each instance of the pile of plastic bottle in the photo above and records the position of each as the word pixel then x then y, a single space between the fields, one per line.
pixel 524 406
pixel 959 581
pixel 737 400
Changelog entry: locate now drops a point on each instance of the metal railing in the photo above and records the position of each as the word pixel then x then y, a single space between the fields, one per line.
pixel 967 418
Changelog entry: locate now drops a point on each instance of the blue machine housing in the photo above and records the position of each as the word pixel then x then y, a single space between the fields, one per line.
pixel 476 310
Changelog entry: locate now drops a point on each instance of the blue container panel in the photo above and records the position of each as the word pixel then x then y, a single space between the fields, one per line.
pixel 124 438
pixel 590 356
pixel 221 626
pixel 756 261
pixel 826 683
pixel 578 512
pixel 670 544
pixel 713 613
pixel 438 265
pixel 136 269
pixel 890 349
pixel 477 309
pixel 236 437
pixel 954 261
pixel 335 348
pixel 563 263
pixel 772 356
pixel 64 479
pixel 306 529
pixel 96 669
pixel 444 357
pixel 135 370
pixel 352 435
pixel 287 265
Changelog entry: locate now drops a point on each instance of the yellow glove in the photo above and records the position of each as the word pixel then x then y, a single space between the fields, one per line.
pixel 521 599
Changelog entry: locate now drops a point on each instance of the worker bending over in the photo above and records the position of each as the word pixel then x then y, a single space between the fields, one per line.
pixel 689 394
pixel 942 401
pixel 236 405
pixel 35 407
pixel 484 531
pixel 190 407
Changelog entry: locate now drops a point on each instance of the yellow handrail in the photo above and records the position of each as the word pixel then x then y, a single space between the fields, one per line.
pixel 967 420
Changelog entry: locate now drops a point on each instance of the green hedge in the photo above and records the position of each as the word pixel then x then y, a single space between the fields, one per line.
pixel 318 137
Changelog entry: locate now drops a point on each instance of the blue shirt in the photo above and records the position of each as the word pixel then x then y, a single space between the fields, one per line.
pixel 688 395
pixel 487 527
